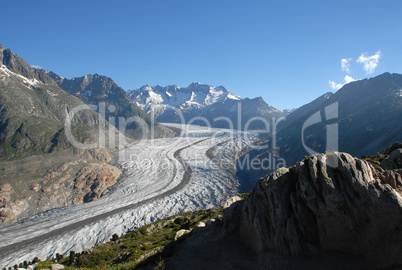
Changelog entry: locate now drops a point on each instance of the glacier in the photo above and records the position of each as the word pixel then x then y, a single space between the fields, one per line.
pixel 162 177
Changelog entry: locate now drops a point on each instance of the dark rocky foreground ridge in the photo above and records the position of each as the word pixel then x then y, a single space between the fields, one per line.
pixel 313 207
pixel 329 211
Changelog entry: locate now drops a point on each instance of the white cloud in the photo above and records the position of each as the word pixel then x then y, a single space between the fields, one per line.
pixel 334 85
pixel 337 86
pixel 37 67
pixel 345 63
pixel 370 63
pixel 349 79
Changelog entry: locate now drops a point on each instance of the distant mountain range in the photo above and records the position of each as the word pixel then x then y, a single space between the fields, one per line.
pixel 197 101
pixel 362 117
pixel 94 89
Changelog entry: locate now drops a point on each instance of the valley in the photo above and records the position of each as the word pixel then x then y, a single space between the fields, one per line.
pixel 161 177
pixel 65 185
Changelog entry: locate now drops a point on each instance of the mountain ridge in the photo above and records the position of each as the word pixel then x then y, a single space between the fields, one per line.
pixel 96 89
pixel 41 169
pixel 366 115
pixel 30 98
pixel 210 103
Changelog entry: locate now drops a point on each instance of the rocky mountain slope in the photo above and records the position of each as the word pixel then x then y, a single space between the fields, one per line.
pixel 96 89
pixel 362 117
pixel 33 111
pixel 369 114
pixel 40 169
pixel 40 183
pixel 197 100
pixel 305 110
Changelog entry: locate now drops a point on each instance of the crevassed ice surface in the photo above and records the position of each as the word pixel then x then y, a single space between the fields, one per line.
pixel 154 186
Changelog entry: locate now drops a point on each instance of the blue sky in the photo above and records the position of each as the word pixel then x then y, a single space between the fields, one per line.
pixel 288 52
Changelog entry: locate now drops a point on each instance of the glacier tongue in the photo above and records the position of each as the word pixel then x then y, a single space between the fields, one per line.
pixel 156 185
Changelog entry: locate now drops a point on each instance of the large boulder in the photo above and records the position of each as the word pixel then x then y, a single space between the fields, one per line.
pixel 317 207
pixel 57 266
pixel 231 214
pixel 93 181
pixel 394 161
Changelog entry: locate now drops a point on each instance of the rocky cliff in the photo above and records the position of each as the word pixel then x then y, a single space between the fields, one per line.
pixel 39 184
pixel 327 203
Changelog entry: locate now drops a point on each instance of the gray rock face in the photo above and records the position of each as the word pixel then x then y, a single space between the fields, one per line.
pixel 16 64
pixel 231 214
pixel 396 155
pixel 391 177
pixel 394 161
pixel 313 207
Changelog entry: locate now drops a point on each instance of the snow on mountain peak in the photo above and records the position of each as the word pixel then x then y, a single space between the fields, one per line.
pixel 231 96
pixel 8 73
pixel 168 104
pixel 196 95
pixel 145 88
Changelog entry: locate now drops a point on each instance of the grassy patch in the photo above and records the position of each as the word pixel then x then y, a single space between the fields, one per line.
pixel 144 245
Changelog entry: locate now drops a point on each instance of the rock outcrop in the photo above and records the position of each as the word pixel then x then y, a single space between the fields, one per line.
pixel 93 181
pixel 231 214
pixel 10 207
pixel 57 266
pixel 394 161
pixel 314 207
pixel 93 154
pixel 71 182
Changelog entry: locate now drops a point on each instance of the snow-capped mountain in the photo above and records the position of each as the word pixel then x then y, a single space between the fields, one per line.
pixel 171 103
pixel 195 96
pixel 94 89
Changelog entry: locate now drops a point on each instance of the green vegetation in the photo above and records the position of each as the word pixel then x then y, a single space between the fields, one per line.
pixel 29 136
pixel 145 245
pixel 245 195
pixel 376 159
